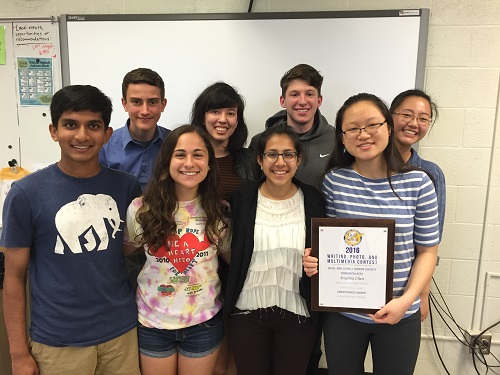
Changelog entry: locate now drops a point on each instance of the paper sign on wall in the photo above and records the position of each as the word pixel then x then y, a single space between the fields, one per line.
pixel 34 40
pixel 36 84
pixel 2 45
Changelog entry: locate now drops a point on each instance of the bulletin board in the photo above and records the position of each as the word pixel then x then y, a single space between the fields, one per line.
pixel 30 73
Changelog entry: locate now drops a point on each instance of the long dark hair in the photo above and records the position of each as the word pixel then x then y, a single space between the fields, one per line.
pixel 396 102
pixel 157 215
pixel 221 95
pixel 341 158
pixel 279 129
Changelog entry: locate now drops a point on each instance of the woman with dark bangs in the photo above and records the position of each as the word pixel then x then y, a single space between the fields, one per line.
pixel 219 111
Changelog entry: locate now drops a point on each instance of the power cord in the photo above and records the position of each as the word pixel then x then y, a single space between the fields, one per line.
pixel 463 341
pixel 476 345
pixel 434 335
pixel 478 349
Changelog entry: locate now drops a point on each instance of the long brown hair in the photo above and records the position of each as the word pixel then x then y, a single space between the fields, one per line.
pixel 157 215
pixel 341 158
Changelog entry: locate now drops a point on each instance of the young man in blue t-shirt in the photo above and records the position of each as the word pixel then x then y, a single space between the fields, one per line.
pixel 65 222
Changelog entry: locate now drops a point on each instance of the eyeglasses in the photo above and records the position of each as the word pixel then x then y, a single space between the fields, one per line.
pixel 369 129
pixel 407 117
pixel 272 157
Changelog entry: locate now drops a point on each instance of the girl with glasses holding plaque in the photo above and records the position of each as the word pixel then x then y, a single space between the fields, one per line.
pixel 369 179
pixel 413 112
pixel 270 326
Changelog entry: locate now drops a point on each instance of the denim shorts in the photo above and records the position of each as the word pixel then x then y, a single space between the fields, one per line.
pixel 192 342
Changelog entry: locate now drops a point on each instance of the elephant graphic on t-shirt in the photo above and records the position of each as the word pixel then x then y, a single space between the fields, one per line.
pixel 86 217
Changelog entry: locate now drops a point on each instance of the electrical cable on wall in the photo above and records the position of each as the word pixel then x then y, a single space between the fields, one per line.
pixel 250 6
pixel 476 346
pixel 434 339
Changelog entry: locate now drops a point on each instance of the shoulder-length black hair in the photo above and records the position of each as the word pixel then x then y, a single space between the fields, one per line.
pixel 396 102
pixel 221 95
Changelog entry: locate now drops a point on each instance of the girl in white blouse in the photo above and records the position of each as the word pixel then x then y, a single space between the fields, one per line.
pixel 270 325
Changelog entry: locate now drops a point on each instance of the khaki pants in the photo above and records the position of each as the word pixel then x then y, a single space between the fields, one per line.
pixel 119 356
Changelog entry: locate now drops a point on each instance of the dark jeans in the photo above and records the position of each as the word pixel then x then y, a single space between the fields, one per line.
pixel 394 347
pixel 312 367
pixel 270 341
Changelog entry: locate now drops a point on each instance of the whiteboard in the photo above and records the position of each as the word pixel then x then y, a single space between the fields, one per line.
pixel 382 52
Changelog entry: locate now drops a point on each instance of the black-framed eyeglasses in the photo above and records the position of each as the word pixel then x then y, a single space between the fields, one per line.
pixel 272 157
pixel 369 129
pixel 407 117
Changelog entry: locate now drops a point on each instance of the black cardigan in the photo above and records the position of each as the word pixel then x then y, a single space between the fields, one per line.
pixel 244 209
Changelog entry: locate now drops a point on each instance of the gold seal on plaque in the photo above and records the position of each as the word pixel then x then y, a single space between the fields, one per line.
pixel 353 237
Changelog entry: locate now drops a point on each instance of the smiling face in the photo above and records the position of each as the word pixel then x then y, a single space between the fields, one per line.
pixel 363 146
pixel 189 165
pixel 280 172
pixel 221 124
pixel 411 123
pixel 144 106
pixel 81 136
pixel 301 102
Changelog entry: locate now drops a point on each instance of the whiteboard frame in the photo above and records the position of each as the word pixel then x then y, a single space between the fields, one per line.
pixel 68 20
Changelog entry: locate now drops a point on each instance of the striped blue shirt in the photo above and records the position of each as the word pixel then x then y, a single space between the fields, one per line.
pixel 350 195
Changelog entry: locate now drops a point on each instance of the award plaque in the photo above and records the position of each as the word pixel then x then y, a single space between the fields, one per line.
pixel 356 263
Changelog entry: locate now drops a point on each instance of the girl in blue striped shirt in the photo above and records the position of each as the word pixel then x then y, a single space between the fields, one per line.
pixel 369 179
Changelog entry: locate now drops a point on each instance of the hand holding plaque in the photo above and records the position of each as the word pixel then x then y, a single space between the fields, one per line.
pixel 355 264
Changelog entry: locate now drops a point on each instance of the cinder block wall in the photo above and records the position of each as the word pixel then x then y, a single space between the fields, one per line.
pixel 463 65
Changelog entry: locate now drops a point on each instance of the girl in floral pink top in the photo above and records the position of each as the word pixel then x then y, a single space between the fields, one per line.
pixel 183 226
